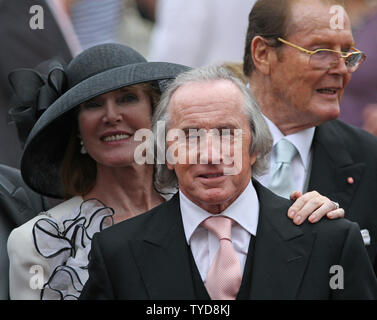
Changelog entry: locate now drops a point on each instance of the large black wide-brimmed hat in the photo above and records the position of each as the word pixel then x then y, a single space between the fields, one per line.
pixel 95 71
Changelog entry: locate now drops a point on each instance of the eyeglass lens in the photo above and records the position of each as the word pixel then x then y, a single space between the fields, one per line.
pixel 329 59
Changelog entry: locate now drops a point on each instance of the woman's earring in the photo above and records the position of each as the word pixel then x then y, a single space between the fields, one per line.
pixel 82 150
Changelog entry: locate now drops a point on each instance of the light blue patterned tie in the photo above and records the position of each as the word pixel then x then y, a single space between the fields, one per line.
pixel 282 181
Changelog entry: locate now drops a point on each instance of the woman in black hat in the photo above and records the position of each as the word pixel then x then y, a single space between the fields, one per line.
pixel 82 149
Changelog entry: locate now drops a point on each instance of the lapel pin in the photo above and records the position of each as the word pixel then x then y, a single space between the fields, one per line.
pixel 350 180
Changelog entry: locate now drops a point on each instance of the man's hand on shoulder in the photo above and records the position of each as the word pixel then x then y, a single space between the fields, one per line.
pixel 313 206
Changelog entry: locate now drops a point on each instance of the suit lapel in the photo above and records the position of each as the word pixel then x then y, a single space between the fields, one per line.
pixel 162 255
pixel 282 250
pixel 333 165
pixel 281 254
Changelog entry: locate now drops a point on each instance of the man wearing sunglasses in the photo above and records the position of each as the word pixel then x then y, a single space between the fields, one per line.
pixel 299 57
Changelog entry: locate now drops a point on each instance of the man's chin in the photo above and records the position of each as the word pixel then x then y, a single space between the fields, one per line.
pixel 331 113
pixel 324 112
pixel 213 197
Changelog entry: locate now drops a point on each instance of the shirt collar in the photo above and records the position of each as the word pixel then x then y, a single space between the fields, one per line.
pixel 302 140
pixel 244 210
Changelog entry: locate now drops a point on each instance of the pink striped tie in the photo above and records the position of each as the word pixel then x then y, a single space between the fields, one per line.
pixel 224 276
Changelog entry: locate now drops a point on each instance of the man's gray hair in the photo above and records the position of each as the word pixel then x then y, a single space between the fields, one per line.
pixel 261 139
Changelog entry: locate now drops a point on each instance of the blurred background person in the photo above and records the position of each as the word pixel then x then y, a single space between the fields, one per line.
pixel 138 23
pixel 359 102
pixel 370 118
pixel 25 47
pixel 147 9
pixel 96 21
pixel 198 33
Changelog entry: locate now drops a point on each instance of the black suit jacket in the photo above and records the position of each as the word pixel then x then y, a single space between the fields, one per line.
pixel 146 257
pixel 18 204
pixel 341 151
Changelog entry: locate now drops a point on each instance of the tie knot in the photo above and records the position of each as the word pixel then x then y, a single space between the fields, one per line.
pixel 285 151
pixel 220 226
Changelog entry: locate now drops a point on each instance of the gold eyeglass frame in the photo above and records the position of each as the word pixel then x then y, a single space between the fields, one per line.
pixel 342 54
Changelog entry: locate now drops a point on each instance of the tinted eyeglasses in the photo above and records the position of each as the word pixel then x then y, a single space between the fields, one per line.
pixel 327 58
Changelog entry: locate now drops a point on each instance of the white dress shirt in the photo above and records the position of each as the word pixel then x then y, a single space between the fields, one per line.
pixel 204 244
pixel 301 163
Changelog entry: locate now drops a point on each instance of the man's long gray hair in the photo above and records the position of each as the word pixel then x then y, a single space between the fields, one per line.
pixel 261 139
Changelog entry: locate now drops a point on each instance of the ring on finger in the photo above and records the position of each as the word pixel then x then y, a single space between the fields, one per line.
pixel 336 205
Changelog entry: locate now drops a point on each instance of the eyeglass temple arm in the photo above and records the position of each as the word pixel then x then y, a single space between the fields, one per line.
pixel 344 55
pixel 295 46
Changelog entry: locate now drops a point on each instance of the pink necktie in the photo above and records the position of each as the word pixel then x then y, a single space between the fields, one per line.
pixel 224 276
